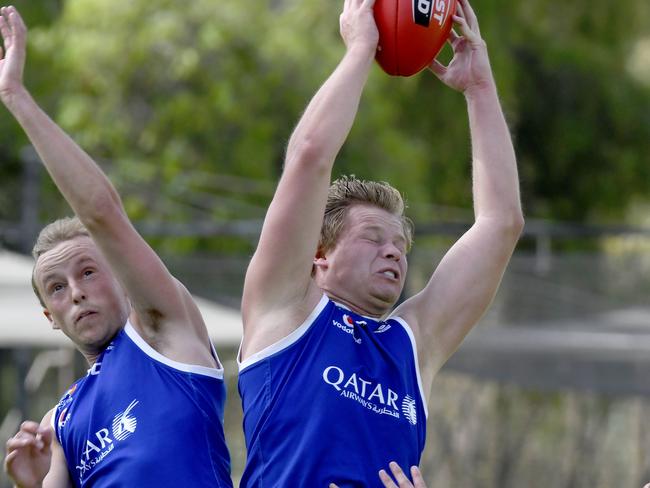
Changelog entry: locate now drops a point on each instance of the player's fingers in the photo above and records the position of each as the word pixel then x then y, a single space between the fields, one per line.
pixel 4 26
pixel 470 15
pixel 399 475
pixel 18 22
pixel 460 12
pixel 454 39
pixel 29 426
pixel 386 479
pixel 418 480
pixel 20 441
pixel 438 68
pixel 469 23
pixel 9 458
pixel 462 23
pixel 472 36
pixel 46 434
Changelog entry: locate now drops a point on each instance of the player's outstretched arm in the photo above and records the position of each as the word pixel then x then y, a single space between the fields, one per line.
pixel 467 278
pixel 278 281
pixel 151 289
pixel 34 457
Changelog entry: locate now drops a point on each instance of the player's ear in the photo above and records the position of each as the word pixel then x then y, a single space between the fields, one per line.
pixel 50 319
pixel 320 260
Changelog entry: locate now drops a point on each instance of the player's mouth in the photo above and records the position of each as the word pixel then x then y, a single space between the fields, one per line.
pixel 390 274
pixel 83 315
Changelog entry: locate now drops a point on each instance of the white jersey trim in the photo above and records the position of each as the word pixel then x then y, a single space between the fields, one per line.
pixel 285 341
pixel 408 330
pixel 156 356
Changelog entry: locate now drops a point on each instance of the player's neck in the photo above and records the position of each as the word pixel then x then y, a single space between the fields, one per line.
pixel 367 310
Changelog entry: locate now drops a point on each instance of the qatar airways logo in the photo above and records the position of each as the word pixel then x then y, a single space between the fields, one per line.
pixel 371 395
pixel 97 448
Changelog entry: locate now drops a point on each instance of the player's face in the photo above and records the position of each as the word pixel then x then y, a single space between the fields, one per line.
pixel 367 267
pixel 81 294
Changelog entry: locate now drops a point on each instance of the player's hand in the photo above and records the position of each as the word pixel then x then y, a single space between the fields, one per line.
pixel 470 67
pixel 402 480
pixel 357 24
pixel 29 454
pixel 12 59
pixel 400 477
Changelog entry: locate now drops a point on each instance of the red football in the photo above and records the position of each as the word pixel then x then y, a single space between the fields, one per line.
pixel 411 33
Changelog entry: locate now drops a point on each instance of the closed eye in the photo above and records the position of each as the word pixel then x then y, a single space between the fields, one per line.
pixel 371 237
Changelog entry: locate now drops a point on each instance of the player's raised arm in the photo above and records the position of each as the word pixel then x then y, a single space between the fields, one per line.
pixel 278 286
pixel 467 278
pixel 162 305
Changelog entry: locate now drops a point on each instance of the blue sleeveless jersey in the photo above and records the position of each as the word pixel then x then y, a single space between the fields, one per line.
pixel 139 419
pixel 335 401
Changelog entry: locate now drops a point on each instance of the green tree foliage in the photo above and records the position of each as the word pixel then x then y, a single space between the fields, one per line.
pixel 12 140
pixel 583 126
pixel 188 105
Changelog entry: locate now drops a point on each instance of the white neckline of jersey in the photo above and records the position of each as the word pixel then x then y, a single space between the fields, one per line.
pixel 155 355
pixel 345 307
pixel 285 341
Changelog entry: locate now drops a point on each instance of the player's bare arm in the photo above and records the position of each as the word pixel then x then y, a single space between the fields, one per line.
pixel 160 303
pixel 466 280
pixel 279 292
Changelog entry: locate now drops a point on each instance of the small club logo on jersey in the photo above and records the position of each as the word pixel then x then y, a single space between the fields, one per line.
pixel 423 10
pixel 409 410
pixel 382 328
pixel 98 447
pixel 67 398
pixel 64 416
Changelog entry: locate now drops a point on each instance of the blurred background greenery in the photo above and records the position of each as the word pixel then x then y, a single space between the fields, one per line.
pixel 188 107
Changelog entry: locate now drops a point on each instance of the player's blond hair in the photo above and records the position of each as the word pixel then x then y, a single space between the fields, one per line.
pixel 349 190
pixel 52 235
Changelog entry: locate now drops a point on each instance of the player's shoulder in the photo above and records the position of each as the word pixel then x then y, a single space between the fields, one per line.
pixel 47 418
